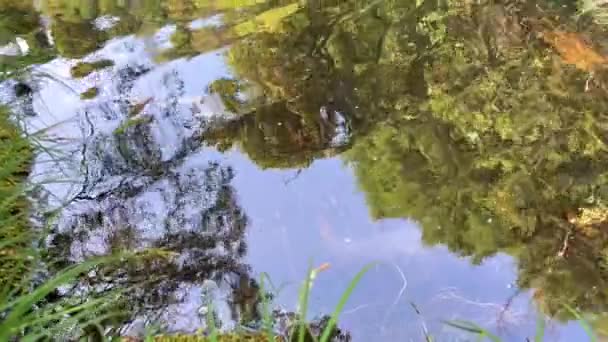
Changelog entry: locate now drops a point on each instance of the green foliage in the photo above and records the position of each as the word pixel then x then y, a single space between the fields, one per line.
pixel 26 311
pixel 26 319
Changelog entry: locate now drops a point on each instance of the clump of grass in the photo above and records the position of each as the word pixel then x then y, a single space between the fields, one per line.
pixel 83 69
pixel 303 333
pixel 27 316
pixel 299 329
pixel 24 312
pixel 27 313
pixel 90 93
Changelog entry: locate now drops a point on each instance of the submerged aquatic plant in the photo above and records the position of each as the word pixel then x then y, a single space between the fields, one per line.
pixel 90 93
pixel 83 69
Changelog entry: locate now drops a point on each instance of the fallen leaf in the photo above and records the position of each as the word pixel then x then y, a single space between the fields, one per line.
pixel 573 49
pixel 138 107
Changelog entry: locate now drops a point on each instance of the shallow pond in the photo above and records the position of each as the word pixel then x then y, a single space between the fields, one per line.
pixel 459 146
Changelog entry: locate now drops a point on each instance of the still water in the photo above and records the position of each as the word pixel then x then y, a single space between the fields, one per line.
pixel 460 146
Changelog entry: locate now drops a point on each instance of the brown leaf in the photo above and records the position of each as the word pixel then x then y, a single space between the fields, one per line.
pixel 574 49
pixel 138 107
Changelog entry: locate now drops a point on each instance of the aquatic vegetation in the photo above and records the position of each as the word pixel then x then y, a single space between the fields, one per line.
pixel 76 39
pixel 83 69
pixel 90 93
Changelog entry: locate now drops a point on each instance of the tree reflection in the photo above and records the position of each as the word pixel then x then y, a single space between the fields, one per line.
pixel 198 236
pixel 473 120
pixel 275 137
pixel 176 209
pixel 76 25
pixel 173 207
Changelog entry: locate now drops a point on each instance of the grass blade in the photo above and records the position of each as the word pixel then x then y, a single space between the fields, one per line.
pixel 303 304
pixel 266 314
pixel 23 304
pixel 340 307
pixel 472 328
pixel 583 322
pixel 213 334
pixel 540 330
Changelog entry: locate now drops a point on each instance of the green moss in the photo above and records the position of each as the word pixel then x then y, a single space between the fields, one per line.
pixel 83 69
pixel 90 93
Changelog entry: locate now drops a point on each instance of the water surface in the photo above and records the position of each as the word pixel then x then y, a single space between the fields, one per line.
pixel 461 147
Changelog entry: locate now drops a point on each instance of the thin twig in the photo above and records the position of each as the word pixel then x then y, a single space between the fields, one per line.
pixel 564 249
pixel 399 295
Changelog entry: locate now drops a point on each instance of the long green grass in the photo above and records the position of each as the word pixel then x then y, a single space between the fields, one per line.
pixel 26 312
